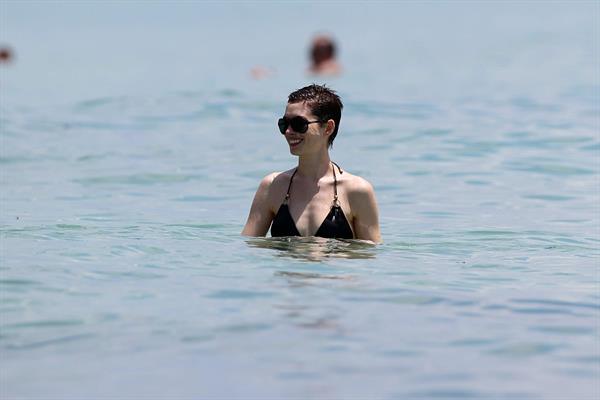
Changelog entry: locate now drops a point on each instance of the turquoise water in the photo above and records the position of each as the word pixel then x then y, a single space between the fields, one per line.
pixel 127 179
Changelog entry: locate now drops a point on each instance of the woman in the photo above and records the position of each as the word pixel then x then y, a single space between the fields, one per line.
pixel 317 198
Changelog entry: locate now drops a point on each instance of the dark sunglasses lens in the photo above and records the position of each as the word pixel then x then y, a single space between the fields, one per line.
pixel 299 124
pixel 283 124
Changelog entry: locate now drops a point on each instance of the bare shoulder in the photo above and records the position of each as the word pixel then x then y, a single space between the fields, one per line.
pixel 267 181
pixel 274 185
pixel 363 206
pixel 281 177
pixel 357 185
pixel 279 180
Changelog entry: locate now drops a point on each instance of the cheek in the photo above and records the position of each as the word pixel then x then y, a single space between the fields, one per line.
pixel 319 136
pixel 313 137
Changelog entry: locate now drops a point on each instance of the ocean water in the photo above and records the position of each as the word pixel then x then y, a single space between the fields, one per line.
pixel 132 141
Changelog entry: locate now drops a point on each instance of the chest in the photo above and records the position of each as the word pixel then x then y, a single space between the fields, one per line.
pixel 309 205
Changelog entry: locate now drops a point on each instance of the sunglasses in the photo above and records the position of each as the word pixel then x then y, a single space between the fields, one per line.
pixel 299 124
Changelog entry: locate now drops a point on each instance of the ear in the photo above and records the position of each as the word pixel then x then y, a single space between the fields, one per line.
pixel 330 127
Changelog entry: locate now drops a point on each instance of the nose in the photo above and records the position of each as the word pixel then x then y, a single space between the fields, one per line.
pixel 289 131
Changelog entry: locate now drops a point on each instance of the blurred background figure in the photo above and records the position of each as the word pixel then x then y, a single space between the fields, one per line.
pixel 322 56
pixel 259 72
pixel 6 54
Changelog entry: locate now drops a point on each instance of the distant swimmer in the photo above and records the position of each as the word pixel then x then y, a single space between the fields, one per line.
pixel 259 72
pixel 6 55
pixel 316 198
pixel 322 56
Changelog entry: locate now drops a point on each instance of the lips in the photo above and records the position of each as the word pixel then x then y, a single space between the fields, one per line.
pixel 295 142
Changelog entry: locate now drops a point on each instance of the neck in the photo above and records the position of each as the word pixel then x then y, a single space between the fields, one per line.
pixel 314 166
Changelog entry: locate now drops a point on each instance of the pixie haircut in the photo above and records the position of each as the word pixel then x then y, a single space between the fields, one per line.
pixel 324 103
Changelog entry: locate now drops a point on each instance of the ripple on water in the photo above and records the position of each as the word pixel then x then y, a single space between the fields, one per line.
pixel 559 303
pixel 137 249
pixel 19 282
pixel 52 323
pixel 547 169
pixel 549 197
pixel 564 330
pixel 28 345
pixel 449 393
pixel 592 147
pixel 199 338
pixel 97 157
pixel 315 248
pixel 524 350
pixel 416 111
pixel 416 300
pixel 140 179
pixel 309 275
pixel 233 294
pixel 473 342
pixel 245 327
pixel 201 198
pixel 547 142
pixel 400 353
pixel 113 102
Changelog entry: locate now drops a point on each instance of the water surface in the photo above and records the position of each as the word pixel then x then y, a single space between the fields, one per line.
pixel 123 274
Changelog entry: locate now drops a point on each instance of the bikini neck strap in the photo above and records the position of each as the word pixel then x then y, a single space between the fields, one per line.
pixel 336 203
pixel 287 195
pixel 335 194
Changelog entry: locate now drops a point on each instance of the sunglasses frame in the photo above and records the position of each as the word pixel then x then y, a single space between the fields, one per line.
pixel 288 123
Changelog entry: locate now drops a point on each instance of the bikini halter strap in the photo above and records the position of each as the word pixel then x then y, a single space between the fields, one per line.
pixel 287 195
pixel 335 194
pixel 336 203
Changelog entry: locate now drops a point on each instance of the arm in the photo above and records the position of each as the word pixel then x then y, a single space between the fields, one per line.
pixel 366 214
pixel 260 216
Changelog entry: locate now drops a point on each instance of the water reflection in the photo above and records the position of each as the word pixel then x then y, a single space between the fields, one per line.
pixel 307 317
pixel 306 279
pixel 315 248
pixel 307 275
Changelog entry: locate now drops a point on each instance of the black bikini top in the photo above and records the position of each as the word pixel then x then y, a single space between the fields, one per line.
pixel 335 224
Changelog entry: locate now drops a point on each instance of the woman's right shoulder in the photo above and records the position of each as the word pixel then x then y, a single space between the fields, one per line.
pixel 275 180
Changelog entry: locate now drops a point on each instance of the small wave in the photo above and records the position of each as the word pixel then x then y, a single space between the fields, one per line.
pixel 139 179
pixel 233 294
pixel 48 342
pixel 44 324
pixel 524 350
pixel 548 169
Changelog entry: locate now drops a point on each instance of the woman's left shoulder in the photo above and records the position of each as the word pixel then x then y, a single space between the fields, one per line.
pixel 357 185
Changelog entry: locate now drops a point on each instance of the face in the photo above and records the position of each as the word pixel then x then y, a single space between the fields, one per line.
pixel 316 133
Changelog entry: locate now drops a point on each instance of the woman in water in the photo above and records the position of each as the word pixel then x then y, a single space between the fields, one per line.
pixel 317 198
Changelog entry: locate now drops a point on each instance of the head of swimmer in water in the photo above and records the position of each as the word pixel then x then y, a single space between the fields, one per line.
pixel 322 49
pixel 324 104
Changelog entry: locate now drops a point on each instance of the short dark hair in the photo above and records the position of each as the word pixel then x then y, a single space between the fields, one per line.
pixel 324 103
pixel 322 50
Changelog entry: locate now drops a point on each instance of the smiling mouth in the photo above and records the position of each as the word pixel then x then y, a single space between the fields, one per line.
pixel 295 142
